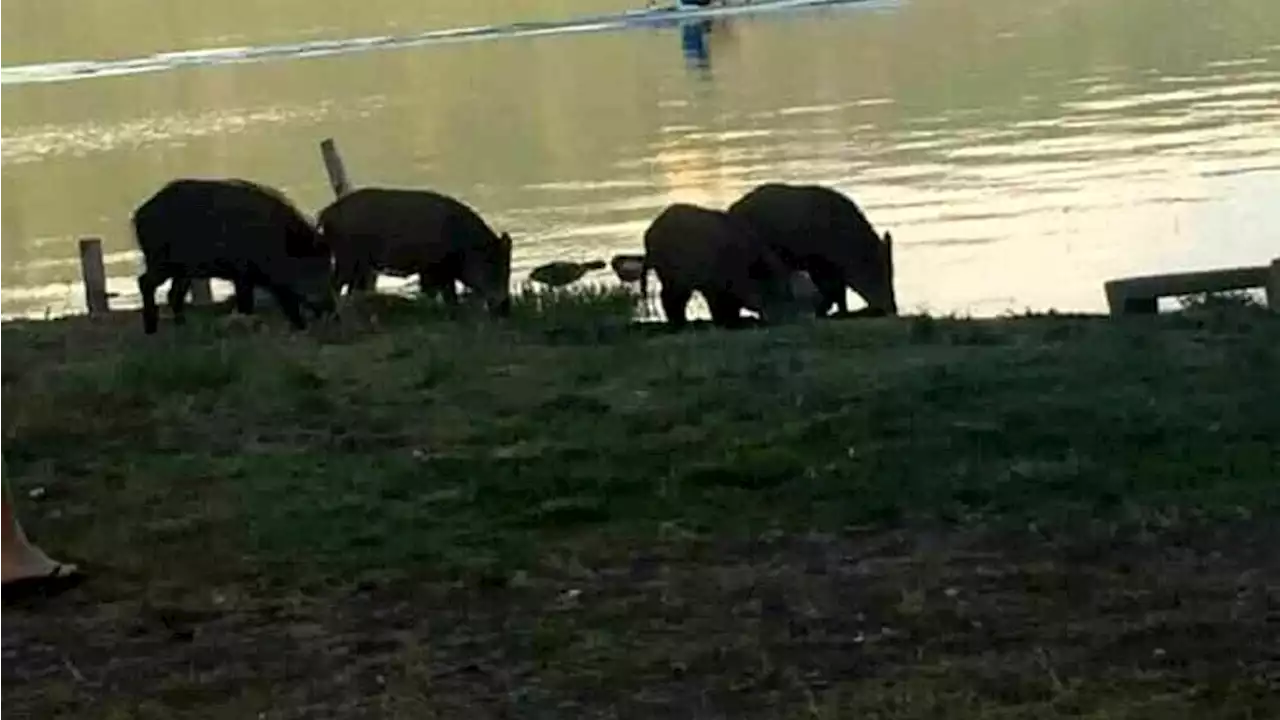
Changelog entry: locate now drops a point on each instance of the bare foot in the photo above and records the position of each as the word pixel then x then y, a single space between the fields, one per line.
pixel 29 562
pixel 26 569
pixel 28 572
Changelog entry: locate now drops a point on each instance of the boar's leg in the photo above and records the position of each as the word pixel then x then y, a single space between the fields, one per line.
pixel 338 281
pixel 434 282
pixel 830 284
pixel 726 311
pixel 366 282
pixel 449 291
pixel 289 302
pixel 360 284
pixel 355 274
pixel 178 289
pixel 674 300
pixel 841 298
pixel 428 288
pixel 148 283
pixel 437 281
pixel 244 296
pixel 365 278
pixel 344 275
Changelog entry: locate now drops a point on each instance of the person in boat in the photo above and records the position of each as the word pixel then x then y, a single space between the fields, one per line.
pixel 693 41
pixel 686 4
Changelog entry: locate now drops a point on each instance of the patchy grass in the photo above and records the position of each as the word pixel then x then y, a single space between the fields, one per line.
pixel 564 515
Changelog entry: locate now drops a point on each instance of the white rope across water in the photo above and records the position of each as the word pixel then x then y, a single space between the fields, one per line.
pixel 64 71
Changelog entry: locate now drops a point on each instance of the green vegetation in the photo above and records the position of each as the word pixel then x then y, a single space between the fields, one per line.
pixel 566 515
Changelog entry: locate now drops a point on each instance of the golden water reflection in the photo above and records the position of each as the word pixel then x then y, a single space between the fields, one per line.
pixel 1021 155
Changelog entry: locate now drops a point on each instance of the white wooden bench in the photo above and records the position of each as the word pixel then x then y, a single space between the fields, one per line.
pixel 1139 295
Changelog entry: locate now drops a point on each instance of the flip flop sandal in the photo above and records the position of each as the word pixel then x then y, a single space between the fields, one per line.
pixel 57 581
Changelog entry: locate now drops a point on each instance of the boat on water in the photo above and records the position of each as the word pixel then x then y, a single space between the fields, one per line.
pixel 656 15
pixel 684 5
pixel 716 7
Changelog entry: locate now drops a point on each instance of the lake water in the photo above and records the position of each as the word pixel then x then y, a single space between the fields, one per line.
pixel 1021 151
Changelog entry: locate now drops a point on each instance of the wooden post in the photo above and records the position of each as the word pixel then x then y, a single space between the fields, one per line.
pixel 333 165
pixel 201 292
pixel 337 172
pixel 1273 286
pixel 94 275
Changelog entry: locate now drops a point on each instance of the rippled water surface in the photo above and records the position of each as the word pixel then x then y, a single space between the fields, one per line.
pixel 1021 152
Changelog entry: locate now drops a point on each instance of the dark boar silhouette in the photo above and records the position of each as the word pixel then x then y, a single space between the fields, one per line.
pixel 235 230
pixel 559 273
pixel 693 248
pixel 405 232
pixel 817 229
pixel 628 268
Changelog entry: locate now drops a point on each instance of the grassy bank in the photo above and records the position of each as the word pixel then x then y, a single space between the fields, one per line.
pixel 565 516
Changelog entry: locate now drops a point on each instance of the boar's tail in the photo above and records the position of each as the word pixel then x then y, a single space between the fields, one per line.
pixel 888 277
pixel 888 253
pixel 133 226
pixel 644 283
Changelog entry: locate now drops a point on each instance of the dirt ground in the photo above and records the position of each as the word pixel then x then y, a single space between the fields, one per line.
pixel 1179 621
